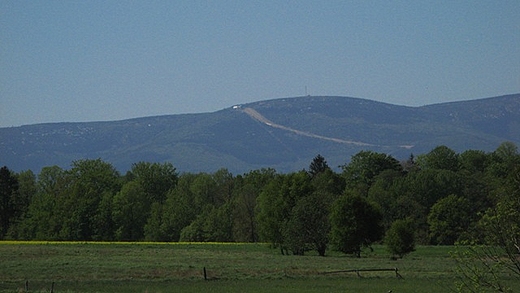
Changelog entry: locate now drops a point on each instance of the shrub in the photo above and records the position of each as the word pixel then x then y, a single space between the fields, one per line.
pixel 400 238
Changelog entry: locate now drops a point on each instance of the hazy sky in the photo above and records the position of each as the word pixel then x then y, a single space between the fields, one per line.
pixel 110 60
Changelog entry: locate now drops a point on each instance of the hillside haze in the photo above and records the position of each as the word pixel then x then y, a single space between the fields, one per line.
pixel 284 134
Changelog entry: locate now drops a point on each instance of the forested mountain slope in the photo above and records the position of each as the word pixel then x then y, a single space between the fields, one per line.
pixel 284 134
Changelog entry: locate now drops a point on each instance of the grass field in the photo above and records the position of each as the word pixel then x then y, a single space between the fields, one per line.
pixel 151 267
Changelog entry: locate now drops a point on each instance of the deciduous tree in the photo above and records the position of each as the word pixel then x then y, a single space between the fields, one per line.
pixel 441 158
pixel 130 211
pixel 364 166
pixel 89 182
pixel 156 179
pixel 400 238
pixel 276 202
pixel 8 198
pixel 355 223
pixel 449 219
pixel 308 226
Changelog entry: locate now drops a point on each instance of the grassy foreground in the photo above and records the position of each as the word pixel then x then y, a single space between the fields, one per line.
pixel 164 267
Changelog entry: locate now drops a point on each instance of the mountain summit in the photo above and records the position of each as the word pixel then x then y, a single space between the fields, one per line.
pixel 285 134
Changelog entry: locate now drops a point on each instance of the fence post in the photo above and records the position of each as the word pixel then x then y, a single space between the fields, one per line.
pixel 205 275
pixel 397 274
pixel 27 286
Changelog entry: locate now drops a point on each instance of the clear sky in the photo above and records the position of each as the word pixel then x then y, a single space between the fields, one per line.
pixel 65 61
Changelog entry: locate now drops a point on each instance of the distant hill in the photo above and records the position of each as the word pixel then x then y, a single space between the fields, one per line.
pixel 285 134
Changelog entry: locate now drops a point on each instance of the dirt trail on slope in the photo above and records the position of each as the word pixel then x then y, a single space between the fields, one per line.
pixel 260 118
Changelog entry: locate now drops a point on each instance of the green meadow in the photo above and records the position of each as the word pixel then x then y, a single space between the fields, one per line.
pixel 179 267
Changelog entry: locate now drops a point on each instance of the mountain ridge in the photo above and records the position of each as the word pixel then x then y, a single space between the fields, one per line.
pixel 301 127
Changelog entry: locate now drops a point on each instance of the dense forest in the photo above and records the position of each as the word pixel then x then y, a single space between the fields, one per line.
pixel 441 198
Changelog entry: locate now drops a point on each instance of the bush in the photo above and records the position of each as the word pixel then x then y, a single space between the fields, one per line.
pixel 400 238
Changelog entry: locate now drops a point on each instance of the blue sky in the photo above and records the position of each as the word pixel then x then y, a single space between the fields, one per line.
pixel 65 61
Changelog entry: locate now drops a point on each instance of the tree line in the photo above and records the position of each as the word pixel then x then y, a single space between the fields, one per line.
pixel 441 198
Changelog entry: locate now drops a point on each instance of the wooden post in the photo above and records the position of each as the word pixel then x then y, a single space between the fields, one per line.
pixel 205 275
pixel 397 274
pixel 27 286
pixel 52 287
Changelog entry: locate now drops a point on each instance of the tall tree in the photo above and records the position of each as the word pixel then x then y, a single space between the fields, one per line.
pixel 225 182
pixel 276 202
pixel 330 182
pixel 8 195
pixel 503 162
pixel 156 179
pixel 214 224
pixel 318 165
pixel 473 161
pixel 130 211
pixel 45 218
pixel 476 180
pixel 27 189
pixel 309 226
pixel 270 212
pixel 410 165
pixel 244 212
pixel 429 185
pixel 183 203
pixel 355 223
pixel 384 193
pixel 364 166
pixel 249 187
pixel 449 220
pixel 441 157
pixel 480 267
pixel 90 181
